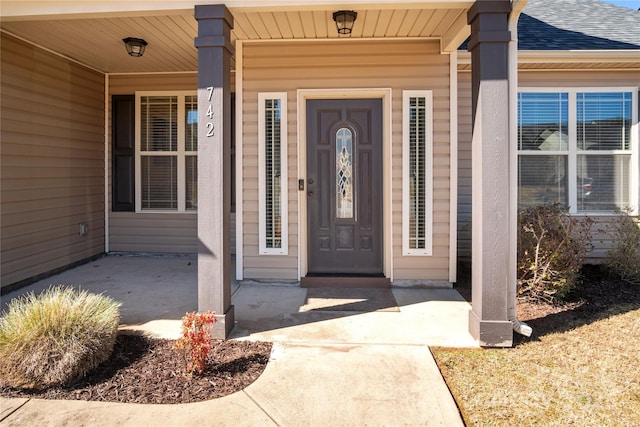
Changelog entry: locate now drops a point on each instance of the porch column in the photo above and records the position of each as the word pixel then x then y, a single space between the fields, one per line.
pixel 214 160
pixel 488 321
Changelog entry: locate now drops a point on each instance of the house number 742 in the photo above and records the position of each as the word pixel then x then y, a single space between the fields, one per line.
pixel 209 113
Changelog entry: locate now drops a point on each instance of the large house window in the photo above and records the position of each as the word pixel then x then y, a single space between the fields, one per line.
pixel 578 147
pixel 166 152
pixel 272 173
pixel 417 170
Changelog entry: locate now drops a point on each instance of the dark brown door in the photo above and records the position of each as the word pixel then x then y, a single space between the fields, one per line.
pixel 344 186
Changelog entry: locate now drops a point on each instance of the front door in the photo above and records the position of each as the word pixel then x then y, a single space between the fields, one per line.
pixel 344 187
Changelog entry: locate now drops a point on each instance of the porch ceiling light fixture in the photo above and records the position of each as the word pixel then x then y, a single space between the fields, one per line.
pixel 344 20
pixel 135 47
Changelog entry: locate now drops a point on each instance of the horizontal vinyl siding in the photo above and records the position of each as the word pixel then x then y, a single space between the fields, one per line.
pixel 547 79
pixel 52 164
pixel 464 166
pixel 153 232
pixel 399 65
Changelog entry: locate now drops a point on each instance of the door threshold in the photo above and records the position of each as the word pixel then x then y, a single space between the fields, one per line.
pixel 345 282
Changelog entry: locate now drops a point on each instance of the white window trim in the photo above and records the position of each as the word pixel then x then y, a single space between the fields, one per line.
pixel 572 153
pixel 181 153
pixel 284 249
pixel 428 249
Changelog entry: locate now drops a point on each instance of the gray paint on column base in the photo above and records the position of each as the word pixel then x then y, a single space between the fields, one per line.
pixel 491 333
pixel 224 324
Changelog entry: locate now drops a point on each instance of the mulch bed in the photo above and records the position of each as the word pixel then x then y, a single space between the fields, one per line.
pixel 595 293
pixel 148 370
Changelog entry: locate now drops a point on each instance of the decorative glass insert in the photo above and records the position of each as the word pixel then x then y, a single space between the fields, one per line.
pixel 344 173
pixel 273 189
pixel 417 184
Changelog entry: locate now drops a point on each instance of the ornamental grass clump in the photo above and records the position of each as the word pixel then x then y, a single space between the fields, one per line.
pixel 55 337
pixel 195 342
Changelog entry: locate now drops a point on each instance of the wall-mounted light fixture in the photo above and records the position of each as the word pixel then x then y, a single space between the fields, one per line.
pixel 344 20
pixel 135 47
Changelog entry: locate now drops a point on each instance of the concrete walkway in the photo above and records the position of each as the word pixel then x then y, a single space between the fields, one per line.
pixel 329 365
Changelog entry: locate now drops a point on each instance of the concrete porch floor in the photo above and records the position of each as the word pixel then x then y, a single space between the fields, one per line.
pixel 156 291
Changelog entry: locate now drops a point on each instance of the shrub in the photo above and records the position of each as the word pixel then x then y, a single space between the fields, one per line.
pixel 195 341
pixel 56 337
pixel 623 259
pixel 552 246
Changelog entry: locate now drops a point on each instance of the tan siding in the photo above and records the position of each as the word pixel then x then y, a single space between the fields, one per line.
pixel 593 78
pixel 154 232
pixel 554 79
pixel 52 165
pixel 399 65
pixel 602 237
pixel 464 166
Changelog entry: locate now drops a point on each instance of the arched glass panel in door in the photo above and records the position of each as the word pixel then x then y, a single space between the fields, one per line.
pixel 344 173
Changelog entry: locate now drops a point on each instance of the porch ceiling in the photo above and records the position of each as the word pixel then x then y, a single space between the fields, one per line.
pixel 95 39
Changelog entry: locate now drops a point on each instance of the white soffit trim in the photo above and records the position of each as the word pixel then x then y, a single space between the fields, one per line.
pixel 567 56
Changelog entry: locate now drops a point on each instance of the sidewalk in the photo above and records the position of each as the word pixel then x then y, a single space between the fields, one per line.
pixel 330 365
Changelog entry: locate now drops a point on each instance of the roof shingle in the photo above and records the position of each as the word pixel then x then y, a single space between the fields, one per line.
pixel 577 25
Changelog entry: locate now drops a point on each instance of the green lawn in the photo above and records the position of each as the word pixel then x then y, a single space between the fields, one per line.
pixel 586 376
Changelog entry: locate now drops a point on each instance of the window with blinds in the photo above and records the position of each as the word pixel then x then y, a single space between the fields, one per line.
pixel 166 152
pixel 543 136
pixel 576 147
pixel 272 125
pixel 417 172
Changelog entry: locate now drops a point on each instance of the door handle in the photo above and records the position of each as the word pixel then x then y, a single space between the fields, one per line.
pixel 310 194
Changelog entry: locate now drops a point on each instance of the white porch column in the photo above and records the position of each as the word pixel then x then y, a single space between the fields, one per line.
pixel 491 232
pixel 214 164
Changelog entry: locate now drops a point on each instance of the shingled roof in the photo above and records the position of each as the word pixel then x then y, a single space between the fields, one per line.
pixel 577 25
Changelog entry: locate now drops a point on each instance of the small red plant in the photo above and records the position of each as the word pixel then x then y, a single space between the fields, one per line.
pixel 195 341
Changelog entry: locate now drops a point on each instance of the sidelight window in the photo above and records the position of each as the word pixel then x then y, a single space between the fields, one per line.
pixel 417 182
pixel 272 171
